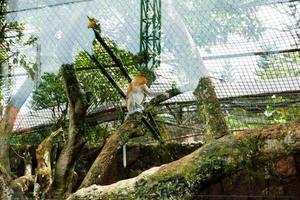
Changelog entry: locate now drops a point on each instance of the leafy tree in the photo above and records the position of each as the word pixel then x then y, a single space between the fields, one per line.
pixel 283 65
pixel 228 73
pixel 273 66
pixel 50 93
pixel 222 18
pixel 11 39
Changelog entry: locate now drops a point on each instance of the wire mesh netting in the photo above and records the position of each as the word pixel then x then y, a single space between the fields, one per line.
pixel 249 48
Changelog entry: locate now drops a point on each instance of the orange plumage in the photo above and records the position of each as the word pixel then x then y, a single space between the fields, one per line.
pixel 138 80
pixel 136 92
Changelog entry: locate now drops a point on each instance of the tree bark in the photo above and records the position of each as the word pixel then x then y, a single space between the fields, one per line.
pixel 208 164
pixel 22 183
pixel 43 176
pixel 78 104
pixel 209 110
pixel 9 118
pixel 100 168
pixel 7 123
pixel 5 191
pixel 6 127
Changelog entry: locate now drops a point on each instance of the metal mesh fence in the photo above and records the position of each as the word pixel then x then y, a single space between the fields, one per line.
pixel 250 49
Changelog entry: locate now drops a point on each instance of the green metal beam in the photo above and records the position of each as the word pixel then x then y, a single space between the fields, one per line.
pixel 150 32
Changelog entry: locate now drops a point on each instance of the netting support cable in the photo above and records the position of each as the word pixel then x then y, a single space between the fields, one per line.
pixel 259 53
pixel 106 74
pixel 152 125
pixel 112 55
pixel 47 6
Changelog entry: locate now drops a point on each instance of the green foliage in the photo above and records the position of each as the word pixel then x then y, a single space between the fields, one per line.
pixel 273 66
pixel 34 138
pixel 101 88
pixel 50 93
pixel 274 110
pixel 281 114
pixel 31 40
pixel 222 18
pixel 173 85
pixel 11 39
pixel 237 123
pixel 95 136
pixel 93 80
pixel 275 115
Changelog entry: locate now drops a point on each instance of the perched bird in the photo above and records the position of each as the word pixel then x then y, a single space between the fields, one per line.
pixel 93 24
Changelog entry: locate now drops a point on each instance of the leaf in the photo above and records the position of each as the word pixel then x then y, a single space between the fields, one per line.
pixel 32 39
pixel 15 61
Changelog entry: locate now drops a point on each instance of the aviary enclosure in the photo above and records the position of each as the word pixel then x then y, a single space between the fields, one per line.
pixel 222 123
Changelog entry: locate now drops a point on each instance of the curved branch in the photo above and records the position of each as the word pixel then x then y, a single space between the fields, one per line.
pixel 208 164
pixel 99 171
pixel 43 178
pixel 78 105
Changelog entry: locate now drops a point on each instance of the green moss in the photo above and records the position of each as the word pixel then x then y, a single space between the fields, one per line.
pixel 5 172
pixel 176 186
pixel 225 157
pixel 184 179
pixel 209 110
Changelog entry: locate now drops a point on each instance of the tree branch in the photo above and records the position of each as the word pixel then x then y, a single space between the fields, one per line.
pixel 43 178
pixel 78 105
pixel 99 171
pixel 208 164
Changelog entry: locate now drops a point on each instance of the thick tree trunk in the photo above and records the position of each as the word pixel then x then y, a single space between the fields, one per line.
pixel 9 118
pixel 6 127
pixel 100 168
pixel 7 123
pixel 4 151
pixel 208 164
pixel 78 104
pixel 209 110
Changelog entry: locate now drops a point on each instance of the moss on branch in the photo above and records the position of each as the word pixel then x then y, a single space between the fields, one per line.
pixel 209 110
pixel 208 164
